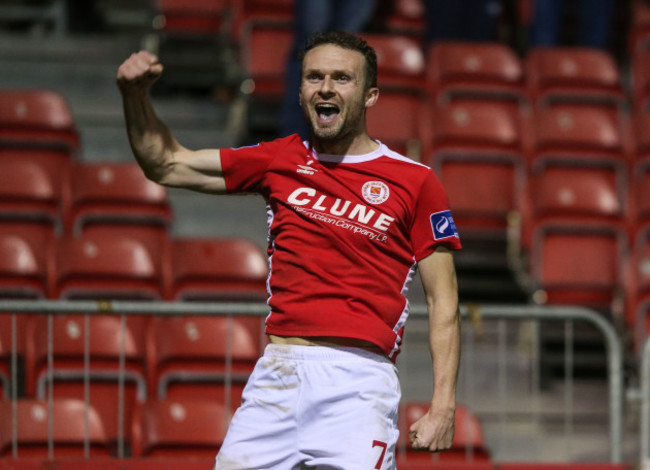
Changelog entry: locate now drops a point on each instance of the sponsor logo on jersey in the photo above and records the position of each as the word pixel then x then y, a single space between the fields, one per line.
pixel 341 213
pixel 375 192
pixel 443 226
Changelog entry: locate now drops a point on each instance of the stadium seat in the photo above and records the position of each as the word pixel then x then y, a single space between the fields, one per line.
pixel 406 134
pixel 31 185
pixel 73 424
pixel 572 195
pixel 578 264
pixel 264 51
pixel 106 195
pixel 105 266
pixel 482 142
pixel 400 62
pixel 179 428
pixel 193 17
pixel 574 75
pixel 23 260
pixel 37 118
pixel 111 353
pixel 402 17
pixel 581 132
pixel 468 445
pixel 203 357
pixel 217 269
pixel 244 12
pixel 470 70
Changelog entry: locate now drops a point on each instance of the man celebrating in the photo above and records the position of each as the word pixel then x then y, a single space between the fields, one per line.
pixel 349 221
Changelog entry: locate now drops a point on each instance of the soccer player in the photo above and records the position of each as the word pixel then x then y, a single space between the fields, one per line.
pixel 349 222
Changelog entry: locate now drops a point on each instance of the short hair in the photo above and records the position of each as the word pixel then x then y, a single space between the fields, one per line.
pixel 346 41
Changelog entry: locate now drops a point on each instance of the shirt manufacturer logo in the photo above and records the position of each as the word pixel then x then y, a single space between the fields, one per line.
pixel 375 192
pixel 306 169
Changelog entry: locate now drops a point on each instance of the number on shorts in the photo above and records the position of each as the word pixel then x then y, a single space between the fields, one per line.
pixel 383 446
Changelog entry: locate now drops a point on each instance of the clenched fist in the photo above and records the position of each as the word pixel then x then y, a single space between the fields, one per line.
pixel 139 71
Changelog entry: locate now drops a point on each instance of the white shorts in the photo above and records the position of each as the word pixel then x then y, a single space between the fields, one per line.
pixel 315 407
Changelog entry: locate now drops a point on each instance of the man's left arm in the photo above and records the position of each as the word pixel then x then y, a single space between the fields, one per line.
pixel 435 430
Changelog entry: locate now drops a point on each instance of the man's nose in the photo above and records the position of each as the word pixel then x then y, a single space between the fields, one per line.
pixel 327 86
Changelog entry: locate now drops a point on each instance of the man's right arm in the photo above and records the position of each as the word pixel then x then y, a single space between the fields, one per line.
pixel 162 158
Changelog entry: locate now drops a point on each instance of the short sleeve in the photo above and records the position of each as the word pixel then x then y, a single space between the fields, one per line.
pixel 244 167
pixel 433 223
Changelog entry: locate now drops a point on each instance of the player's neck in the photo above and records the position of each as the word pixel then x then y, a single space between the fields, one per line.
pixel 358 145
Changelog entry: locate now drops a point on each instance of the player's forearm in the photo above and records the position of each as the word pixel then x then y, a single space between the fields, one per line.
pixel 151 141
pixel 444 338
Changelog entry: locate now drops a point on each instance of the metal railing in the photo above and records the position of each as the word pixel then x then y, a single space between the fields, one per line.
pixel 487 313
pixel 644 431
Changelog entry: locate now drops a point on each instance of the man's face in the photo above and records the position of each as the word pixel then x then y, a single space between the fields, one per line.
pixel 332 93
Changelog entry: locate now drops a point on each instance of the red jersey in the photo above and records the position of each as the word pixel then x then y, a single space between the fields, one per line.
pixel 345 233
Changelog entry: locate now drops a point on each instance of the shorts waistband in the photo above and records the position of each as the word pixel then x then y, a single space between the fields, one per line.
pixel 322 353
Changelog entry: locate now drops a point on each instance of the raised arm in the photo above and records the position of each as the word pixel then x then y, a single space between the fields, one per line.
pixel 435 430
pixel 161 157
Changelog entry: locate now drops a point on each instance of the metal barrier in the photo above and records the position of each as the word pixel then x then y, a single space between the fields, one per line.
pixel 644 431
pixel 487 313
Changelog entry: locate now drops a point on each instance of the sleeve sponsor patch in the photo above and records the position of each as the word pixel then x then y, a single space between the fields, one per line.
pixel 443 226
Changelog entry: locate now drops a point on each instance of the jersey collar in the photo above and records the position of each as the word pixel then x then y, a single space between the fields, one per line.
pixel 328 157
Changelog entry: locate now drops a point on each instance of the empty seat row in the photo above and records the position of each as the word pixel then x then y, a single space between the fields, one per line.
pixel 122 362
pixel 124 263
pixel 179 428
pixel 70 196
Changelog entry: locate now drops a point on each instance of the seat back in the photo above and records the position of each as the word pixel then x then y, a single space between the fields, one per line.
pixel 37 118
pixel 178 428
pixel 72 423
pixel 486 70
pixel 110 194
pixel 105 266
pixel 31 185
pixel 217 269
pixel 573 74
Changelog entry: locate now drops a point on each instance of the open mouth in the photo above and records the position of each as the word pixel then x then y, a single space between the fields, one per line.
pixel 327 112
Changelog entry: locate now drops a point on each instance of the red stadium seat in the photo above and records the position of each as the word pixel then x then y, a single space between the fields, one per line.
pixel 37 118
pixel 573 74
pixel 264 51
pixel 474 70
pixel 106 343
pixel 400 62
pixel 179 428
pixel 482 142
pixel 279 12
pixel 578 264
pixel 580 132
pixel 23 260
pixel 468 445
pixel 403 17
pixel 104 195
pixel 31 185
pixel 72 424
pixel 185 360
pixel 406 134
pixel 105 266
pixel 193 16
pixel 639 28
pixel 217 269
pixel 572 195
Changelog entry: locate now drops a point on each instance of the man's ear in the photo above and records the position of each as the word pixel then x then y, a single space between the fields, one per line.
pixel 371 97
